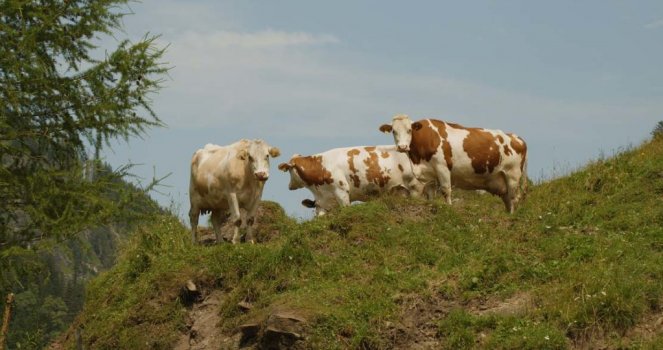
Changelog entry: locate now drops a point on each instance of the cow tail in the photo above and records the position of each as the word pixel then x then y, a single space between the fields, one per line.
pixel 524 183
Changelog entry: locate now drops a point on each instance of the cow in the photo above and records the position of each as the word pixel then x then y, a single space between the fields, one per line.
pixel 468 158
pixel 225 179
pixel 340 176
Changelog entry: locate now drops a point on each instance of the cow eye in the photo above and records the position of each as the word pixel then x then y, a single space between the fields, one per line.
pixel 409 131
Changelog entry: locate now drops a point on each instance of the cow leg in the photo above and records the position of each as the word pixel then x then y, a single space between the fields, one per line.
pixel 194 214
pixel 444 181
pixel 235 216
pixel 510 198
pixel 430 190
pixel 218 217
pixel 251 221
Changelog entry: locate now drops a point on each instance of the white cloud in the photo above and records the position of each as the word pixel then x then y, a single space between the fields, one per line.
pixel 224 79
pixel 262 39
pixel 655 24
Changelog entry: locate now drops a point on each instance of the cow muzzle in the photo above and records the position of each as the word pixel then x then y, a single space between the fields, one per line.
pixel 403 148
pixel 261 176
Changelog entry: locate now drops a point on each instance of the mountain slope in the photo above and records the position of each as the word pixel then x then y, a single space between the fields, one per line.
pixel 580 265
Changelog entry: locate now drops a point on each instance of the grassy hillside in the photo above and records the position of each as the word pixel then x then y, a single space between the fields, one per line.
pixel 580 265
pixel 48 275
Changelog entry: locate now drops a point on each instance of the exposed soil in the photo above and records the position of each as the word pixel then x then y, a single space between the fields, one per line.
pixel 203 324
pixel 417 328
pixel 517 304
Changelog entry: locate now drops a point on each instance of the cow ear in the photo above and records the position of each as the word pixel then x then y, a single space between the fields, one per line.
pixel 274 152
pixel 385 128
pixel 242 154
pixel 285 166
pixel 416 126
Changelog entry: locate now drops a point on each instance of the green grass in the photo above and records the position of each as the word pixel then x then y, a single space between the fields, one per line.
pixel 587 249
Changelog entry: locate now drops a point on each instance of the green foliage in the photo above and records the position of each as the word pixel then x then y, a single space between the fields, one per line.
pixel 580 264
pixel 56 98
pixel 658 129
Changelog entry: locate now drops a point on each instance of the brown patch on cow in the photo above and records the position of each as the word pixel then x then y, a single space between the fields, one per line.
pixel 370 148
pixel 311 171
pixel 518 144
pixel 400 167
pixel 425 142
pixel 507 150
pixel 384 154
pixel 340 183
pixel 373 172
pixel 351 164
pixel 446 146
pixel 520 147
pixel 482 149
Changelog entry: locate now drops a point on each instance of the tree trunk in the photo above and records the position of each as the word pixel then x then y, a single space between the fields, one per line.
pixel 5 320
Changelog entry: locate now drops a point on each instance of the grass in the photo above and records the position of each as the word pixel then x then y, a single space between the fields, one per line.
pixel 586 250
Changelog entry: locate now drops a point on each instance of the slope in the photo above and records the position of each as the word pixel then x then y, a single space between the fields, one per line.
pixel 580 265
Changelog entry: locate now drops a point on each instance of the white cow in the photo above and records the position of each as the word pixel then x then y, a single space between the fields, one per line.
pixel 227 178
pixel 342 175
pixel 468 158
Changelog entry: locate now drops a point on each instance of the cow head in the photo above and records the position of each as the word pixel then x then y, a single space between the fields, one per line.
pixel 401 127
pixel 257 153
pixel 296 181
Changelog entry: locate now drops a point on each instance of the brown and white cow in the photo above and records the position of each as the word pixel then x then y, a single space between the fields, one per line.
pixel 468 158
pixel 227 178
pixel 342 175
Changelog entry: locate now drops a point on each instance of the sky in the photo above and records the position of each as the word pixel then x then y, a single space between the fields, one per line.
pixel 576 79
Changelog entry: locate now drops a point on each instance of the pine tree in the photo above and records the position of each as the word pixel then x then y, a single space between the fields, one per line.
pixel 57 100
pixel 60 97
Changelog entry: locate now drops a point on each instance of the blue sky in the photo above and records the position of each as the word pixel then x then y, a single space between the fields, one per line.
pixel 576 79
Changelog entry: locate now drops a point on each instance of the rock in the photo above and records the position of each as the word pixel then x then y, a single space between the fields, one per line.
pixel 282 330
pixel 244 306
pixel 249 330
pixel 190 286
pixel 189 294
pixel 248 334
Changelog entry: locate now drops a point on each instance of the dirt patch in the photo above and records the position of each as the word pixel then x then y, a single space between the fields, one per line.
pixel 203 323
pixel 417 327
pixel 409 210
pixel 647 329
pixel 518 304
